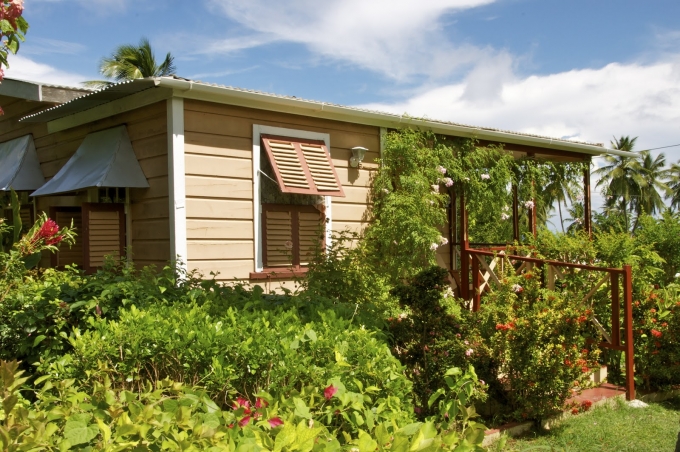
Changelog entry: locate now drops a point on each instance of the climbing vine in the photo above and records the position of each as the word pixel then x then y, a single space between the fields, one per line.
pixel 412 189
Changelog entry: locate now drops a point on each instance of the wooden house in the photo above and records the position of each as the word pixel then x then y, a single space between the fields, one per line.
pixel 226 180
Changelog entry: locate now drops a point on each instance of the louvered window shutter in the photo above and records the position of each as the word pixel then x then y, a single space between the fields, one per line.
pixel 65 216
pixel 302 166
pixel 291 235
pixel 26 215
pixel 104 233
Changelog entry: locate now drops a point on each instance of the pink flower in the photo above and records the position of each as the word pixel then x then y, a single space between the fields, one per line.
pixel 329 392
pixel 469 352
pixel 485 177
pixel 441 169
pixel 243 422
pixel 275 422
pixel 448 181
pixel 529 204
pixel 242 403
pixel 49 232
pixel 261 403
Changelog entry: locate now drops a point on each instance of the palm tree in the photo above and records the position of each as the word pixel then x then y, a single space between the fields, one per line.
pixel 674 185
pixel 650 201
pixel 560 189
pixel 129 62
pixel 621 178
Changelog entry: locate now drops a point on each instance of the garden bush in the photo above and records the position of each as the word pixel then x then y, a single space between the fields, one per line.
pixel 239 352
pixel 172 416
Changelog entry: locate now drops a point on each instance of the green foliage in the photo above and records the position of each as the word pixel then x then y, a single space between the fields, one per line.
pixel 663 235
pixel 656 324
pixel 233 351
pixel 173 416
pixel 537 338
pixel 429 337
pixel 342 272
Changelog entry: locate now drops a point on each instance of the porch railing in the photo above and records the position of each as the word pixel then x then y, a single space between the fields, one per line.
pixel 484 277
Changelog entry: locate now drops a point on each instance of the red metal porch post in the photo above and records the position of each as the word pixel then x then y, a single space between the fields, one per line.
pixel 628 325
pixel 587 213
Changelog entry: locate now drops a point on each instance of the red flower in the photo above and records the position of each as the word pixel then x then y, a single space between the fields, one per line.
pixel 586 404
pixel 664 324
pixel 656 333
pixel 584 351
pixel 653 320
pixel 574 411
pixel 261 403
pixel 528 276
pixel 653 311
pixel 329 392
pixel 275 422
pixel 242 403
pixel 49 232
pixel 567 363
pixel 585 369
pixel 657 344
pixel 243 422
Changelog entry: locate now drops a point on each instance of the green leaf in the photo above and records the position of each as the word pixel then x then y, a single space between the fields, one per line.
pixel 301 408
pixel 31 261
pixel 78 432
pixel 366 443
pixel 39 339
pixel 9 402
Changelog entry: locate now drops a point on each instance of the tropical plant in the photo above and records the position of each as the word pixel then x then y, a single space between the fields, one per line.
pixel 621 178
pixel 673 175
pixel 129 62
pixel 653 188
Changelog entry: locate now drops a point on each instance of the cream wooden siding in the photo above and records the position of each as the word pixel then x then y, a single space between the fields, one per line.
pixel 147 128
pixel 219 185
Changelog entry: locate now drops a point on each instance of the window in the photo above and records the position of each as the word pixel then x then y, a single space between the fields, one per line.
pixel 100 230
pixel 295 180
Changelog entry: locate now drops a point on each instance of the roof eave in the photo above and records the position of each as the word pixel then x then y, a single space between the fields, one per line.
pixel 185 88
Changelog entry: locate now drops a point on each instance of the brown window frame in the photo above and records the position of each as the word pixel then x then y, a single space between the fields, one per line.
pixel 88 207
pixel 295 269
pixel 304 164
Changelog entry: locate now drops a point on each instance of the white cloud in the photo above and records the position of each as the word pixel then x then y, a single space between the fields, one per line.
pixel 41 46
pixel 23 68
pixel 586 105
pixel 398 38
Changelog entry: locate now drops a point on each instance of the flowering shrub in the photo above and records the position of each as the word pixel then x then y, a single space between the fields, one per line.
pixel 539 343
pixel 176 417
pixel 12 29
pixel 656 331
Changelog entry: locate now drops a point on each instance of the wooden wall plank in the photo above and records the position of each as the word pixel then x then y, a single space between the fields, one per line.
pixel 219 209
pixel 219 229
pixel 220 249
pixel 202 165
pixel 217 187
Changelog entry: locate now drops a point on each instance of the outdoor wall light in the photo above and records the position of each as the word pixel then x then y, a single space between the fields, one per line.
pixel 358 154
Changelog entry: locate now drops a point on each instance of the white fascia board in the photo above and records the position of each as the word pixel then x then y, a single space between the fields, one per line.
pixel 261 101
pixel 115 107
pixel 177 182
pixel 258 131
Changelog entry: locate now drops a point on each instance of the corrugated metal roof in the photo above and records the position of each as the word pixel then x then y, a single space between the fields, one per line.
pixel 127 88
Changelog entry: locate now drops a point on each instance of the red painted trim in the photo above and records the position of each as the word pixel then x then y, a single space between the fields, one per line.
pixel 278 274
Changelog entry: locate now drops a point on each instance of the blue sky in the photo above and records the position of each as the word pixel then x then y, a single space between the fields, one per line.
pixel 587 70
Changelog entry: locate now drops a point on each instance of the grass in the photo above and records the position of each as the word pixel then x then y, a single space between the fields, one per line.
pixel 613 428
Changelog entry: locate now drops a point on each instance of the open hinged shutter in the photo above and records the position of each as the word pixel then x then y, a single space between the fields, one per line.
pixel 26 215
pixel 65 216
pixel 291 234
pixel 103 233
pixel 302 166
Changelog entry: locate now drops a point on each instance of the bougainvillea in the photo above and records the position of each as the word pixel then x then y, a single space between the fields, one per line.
pixel 13 27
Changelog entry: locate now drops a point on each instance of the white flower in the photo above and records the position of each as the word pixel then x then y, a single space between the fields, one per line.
pixel 448 293
pixel 506 208
pixel 435 188
pixel 434 247
pixel 486 177
pixel 517 288
pixel 432 203
pixel 441 169
pixel 677 275
pixel 395 242
pixel 448 181
pixel 443 240
pixel 469 352
pixel 467 179
pixel 386 190
pixel 504 216
pixel 529 204
pixel 403 315
pixel 579 198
